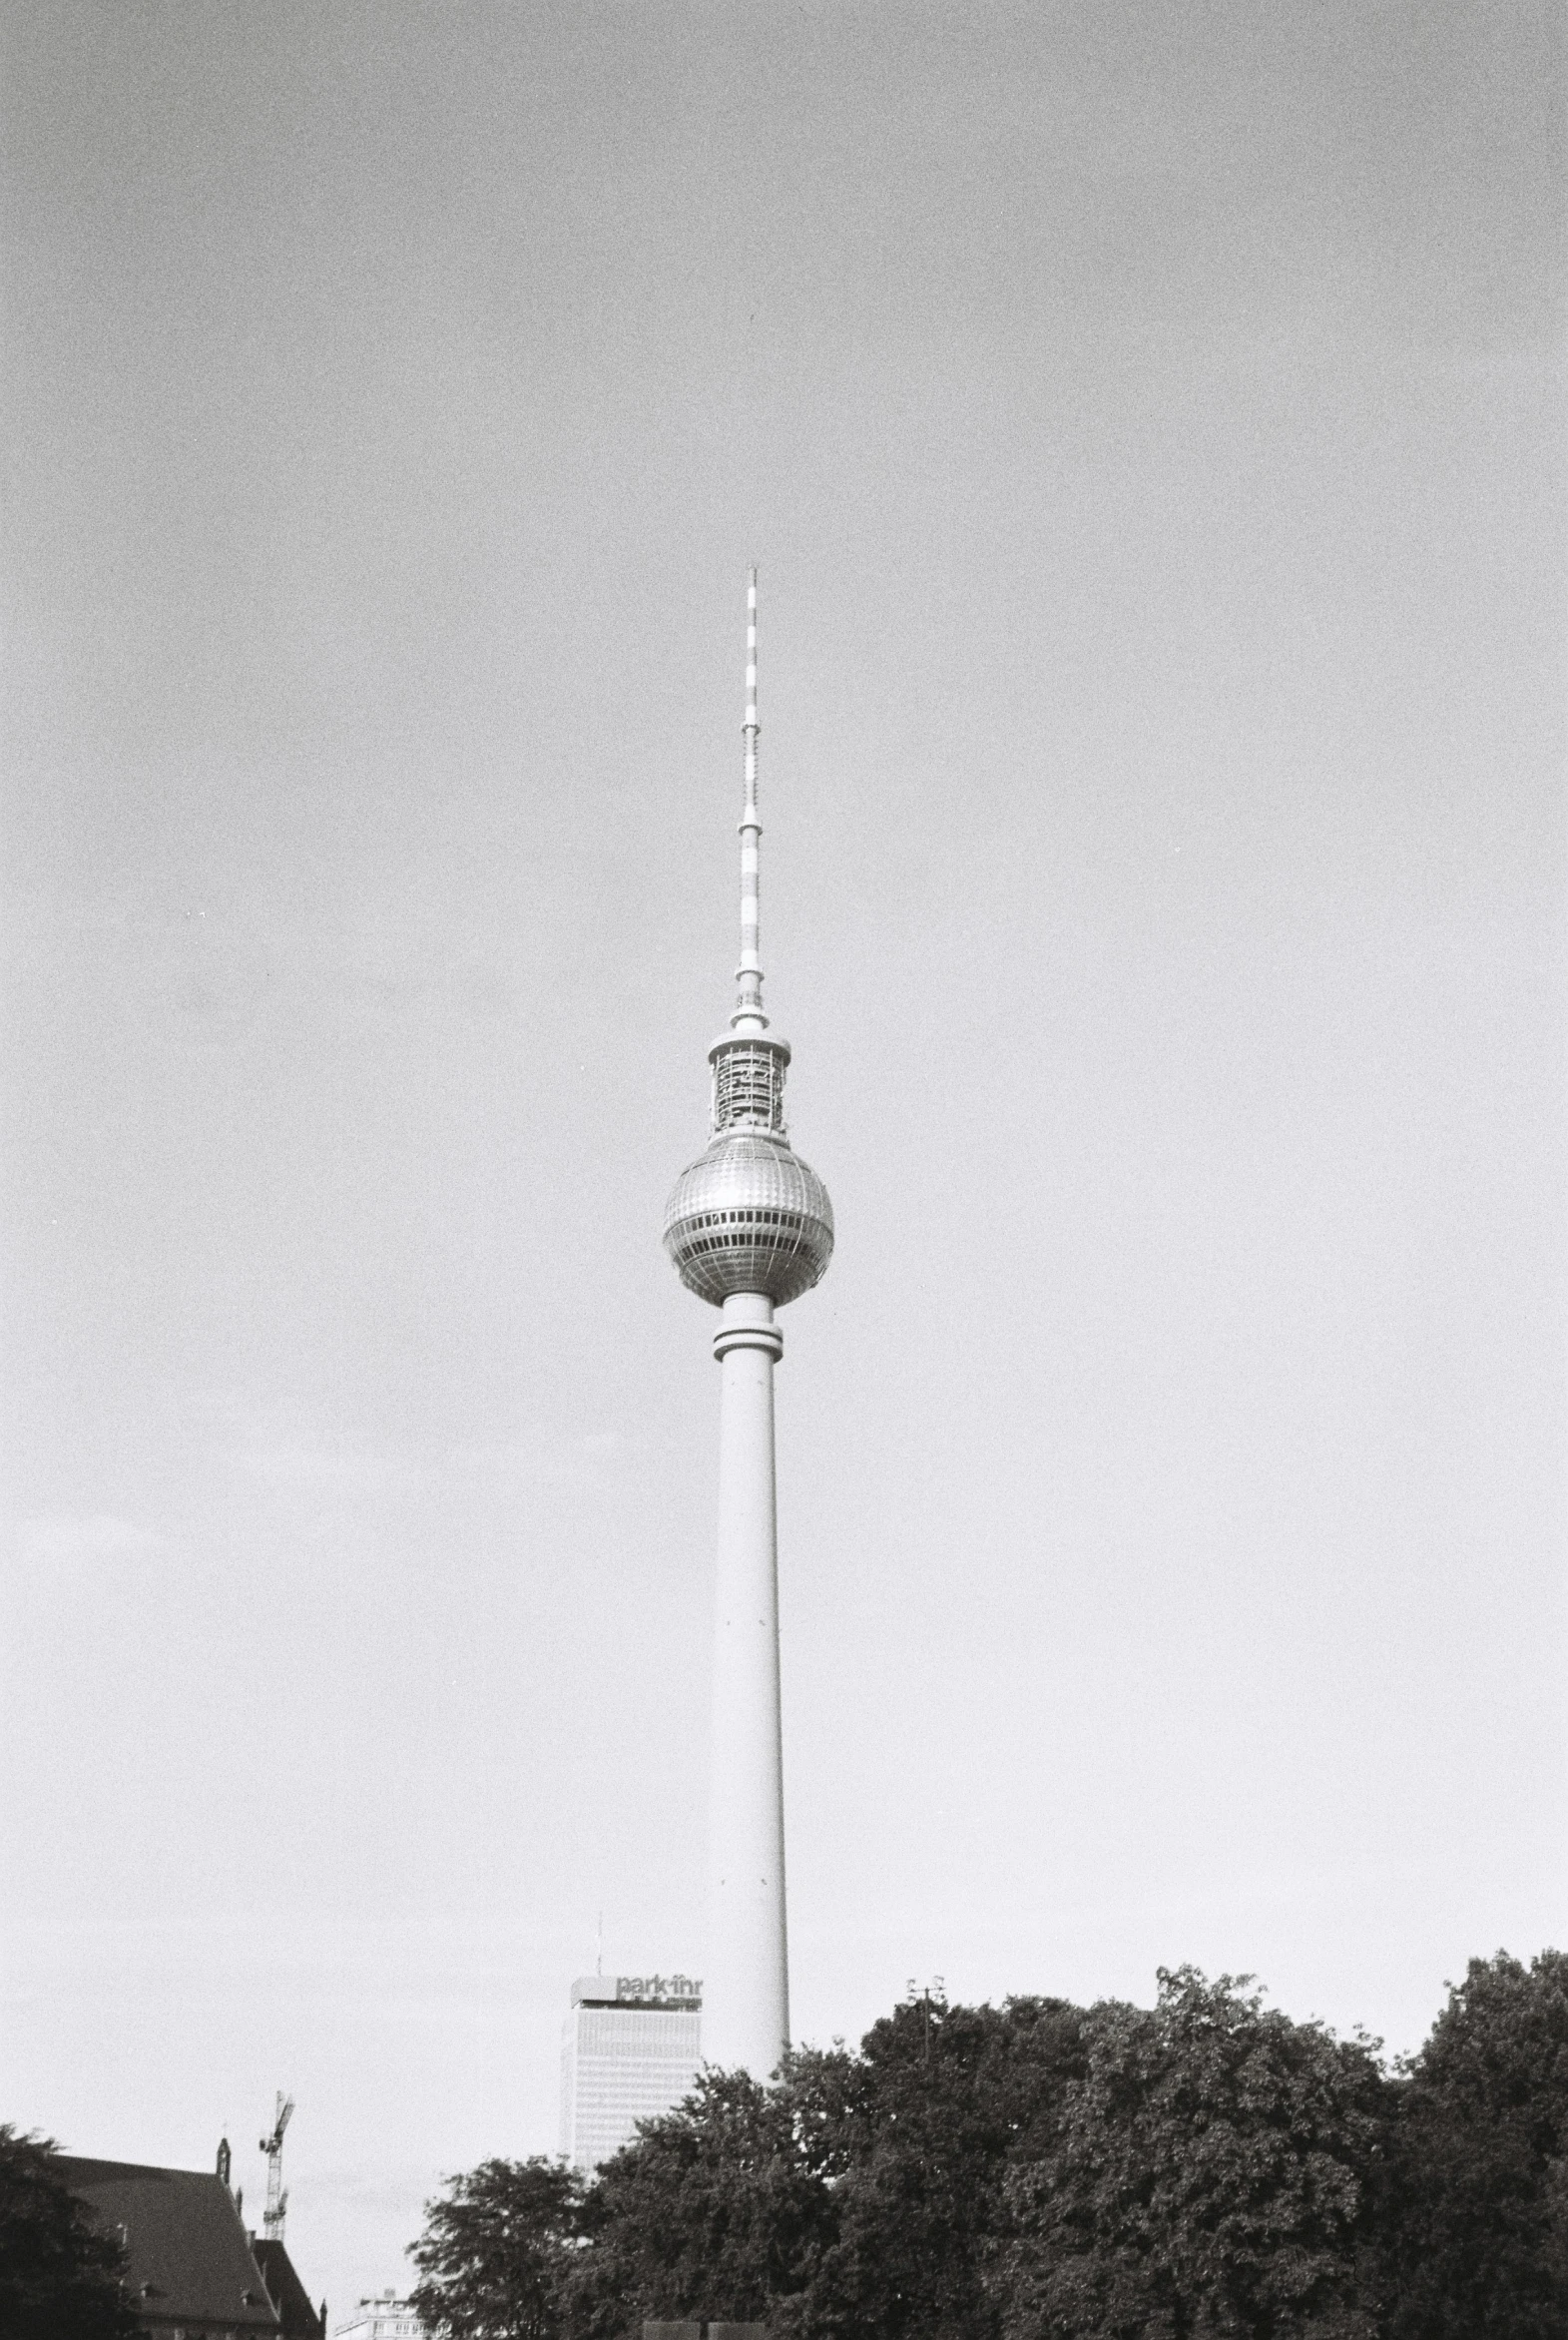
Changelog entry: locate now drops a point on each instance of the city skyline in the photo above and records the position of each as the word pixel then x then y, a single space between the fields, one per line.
pixel 1147 428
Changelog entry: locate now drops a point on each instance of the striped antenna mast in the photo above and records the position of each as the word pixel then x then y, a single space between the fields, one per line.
pixel 749 1228
pixel 748 1015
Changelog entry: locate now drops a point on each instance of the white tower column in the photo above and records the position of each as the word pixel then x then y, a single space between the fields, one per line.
pixel 747 1986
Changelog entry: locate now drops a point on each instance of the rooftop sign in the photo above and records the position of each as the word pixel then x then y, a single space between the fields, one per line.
pixel 683 1992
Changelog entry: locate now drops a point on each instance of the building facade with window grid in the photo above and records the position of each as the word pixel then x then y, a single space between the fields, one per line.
pixel 630 2049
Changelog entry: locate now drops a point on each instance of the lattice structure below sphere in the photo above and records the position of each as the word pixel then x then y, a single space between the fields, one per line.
pixel 749 1216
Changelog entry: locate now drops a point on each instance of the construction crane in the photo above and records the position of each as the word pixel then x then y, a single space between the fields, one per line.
pixel 277 2195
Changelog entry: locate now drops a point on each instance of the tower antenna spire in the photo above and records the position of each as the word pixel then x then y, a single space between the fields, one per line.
pixel 748 1015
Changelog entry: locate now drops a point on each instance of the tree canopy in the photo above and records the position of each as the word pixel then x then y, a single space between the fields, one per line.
pixel 60 2278
pixel 1203 2170
pixel 917 2133
pixel 495 2251
pixel 713 2211
pixel 1213 2174
pixel 1477 2244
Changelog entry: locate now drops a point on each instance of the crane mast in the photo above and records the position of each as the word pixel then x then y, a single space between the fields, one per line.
pixel 277 2195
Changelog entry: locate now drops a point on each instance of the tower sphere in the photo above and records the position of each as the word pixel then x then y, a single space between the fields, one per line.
pixel 749 1216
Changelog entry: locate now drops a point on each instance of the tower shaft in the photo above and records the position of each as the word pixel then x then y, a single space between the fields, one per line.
pixel 747 1986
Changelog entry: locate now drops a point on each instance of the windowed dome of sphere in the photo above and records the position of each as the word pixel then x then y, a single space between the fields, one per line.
pixel 749 1216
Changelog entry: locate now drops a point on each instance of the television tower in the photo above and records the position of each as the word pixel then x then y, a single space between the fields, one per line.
pixel 749 1227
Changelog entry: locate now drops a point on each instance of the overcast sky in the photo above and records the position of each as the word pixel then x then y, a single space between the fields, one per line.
pixel 1147 422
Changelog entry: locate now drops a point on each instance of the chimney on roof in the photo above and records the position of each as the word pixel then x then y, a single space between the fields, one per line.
pixel 223 2160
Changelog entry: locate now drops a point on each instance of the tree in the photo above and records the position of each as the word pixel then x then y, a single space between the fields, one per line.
pixel 1212 2176
pixel 856 2196
pixel 916 2135
pixel 495 2251
pixel 60 2278
pixel 1478 2248
pixel 714 2210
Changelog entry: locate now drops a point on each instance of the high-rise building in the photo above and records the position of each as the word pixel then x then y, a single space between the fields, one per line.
pixel 630 2049
pixel 749 1227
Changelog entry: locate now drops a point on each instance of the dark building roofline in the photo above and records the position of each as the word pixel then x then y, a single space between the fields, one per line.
pixel 189 2257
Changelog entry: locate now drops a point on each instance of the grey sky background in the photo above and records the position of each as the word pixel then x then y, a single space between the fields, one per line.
pixel 1147 422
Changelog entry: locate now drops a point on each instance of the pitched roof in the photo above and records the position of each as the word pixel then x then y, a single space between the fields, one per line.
pixel 290 2297
pixel 189 2257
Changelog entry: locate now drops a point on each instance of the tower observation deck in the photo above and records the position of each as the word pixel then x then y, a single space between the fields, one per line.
pixel 749 1227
